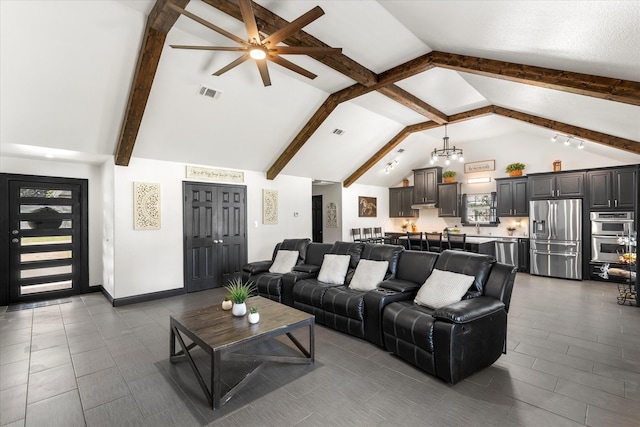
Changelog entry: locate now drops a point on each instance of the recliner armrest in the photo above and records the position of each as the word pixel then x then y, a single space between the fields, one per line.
pixel 468 310
pixel 307 268
pixel 399 285
pixel 257 267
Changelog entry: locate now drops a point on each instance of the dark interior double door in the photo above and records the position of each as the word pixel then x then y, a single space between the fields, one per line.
pixel 215 238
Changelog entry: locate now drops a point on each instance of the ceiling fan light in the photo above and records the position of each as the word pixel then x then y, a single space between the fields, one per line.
pixel 257 53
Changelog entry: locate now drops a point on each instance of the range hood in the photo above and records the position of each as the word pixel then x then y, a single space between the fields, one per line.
pixel 424 206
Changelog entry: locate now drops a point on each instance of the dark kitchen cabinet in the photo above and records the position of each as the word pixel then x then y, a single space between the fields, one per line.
pixel 400 201
pixel 512 197
pixel 449 199
pixel 556 185
pixel 612 189
pixel 425 183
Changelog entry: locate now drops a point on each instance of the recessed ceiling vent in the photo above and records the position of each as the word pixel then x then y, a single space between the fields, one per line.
pixel 338 132
pixel 209 92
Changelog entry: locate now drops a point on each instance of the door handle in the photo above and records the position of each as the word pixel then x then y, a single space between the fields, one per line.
pixel 14 240
pixel 14 231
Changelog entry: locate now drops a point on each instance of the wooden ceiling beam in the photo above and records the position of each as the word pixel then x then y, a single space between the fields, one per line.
pixel 159 22
pixel 341 63
pixel 567 129
pixel 414 103
pixel 581 133
pixel 625 91
pixel 303 136
pixel 404 133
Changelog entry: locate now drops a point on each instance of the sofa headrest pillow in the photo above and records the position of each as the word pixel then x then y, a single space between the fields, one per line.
pixel 299 245
pixel 468 263
pixel 353 249
pixel 443 288
pixel 284 262
pixel 334 269
pixel 389 253
pixel 368 274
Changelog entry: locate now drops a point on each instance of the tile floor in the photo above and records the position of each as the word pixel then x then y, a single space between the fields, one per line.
pixel 573 359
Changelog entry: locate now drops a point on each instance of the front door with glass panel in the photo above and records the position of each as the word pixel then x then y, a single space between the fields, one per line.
pixel 46 253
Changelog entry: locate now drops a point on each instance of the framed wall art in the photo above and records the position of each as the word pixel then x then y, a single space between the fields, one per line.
pixel 146 206
pixel 269 206
pixel 367 206
pixel 482 166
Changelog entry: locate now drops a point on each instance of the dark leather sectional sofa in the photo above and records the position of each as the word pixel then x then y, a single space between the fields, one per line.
pixel 450 342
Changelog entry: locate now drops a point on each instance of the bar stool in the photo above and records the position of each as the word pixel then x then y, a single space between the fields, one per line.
pixel 457 242
pixel 377 235
pixel 433 241
pixel 367 235
pixel 414 241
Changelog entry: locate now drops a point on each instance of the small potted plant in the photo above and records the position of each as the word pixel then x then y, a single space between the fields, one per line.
pixel 254 316
pixel 514 169
pixel 449 176
pixel 239 291
pixel 227 303
pixel 510 230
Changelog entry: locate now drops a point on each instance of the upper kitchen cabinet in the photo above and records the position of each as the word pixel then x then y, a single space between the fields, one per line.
pixel 556 185
pixel 400 201
pixel 449 199
pixel 612 188
pixel 512 197
pixel 426 185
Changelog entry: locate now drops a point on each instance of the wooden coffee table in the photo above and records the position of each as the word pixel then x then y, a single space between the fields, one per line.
pixel 221 335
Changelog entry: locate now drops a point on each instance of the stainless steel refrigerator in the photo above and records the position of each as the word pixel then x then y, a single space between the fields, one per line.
pixel 556 238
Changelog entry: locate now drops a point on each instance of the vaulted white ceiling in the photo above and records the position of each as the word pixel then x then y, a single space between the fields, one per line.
pixel 66 68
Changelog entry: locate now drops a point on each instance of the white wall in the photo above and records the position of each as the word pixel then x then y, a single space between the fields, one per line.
pixel 61 169
pixel 331 193
pixel 108 228
pixel 350 218
pixel 152 260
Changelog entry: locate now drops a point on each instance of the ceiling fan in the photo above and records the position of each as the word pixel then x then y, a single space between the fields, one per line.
pixel 262 49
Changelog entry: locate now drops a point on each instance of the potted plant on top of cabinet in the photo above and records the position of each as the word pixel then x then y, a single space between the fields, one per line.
pixel 449 176
pixel 514 169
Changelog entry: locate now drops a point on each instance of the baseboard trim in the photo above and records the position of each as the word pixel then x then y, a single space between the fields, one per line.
pixel 135 299
pixel 106 294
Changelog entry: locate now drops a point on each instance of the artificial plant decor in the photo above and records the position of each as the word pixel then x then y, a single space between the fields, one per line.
pixel 238 290
pixel 449 176
pixel 514 169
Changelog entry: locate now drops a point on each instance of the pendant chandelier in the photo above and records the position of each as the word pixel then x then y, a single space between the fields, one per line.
pixel 446 152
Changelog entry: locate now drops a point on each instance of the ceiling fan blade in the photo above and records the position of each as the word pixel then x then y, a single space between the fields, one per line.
pixel 222 48
pixel 291 66
pixel 305 50
pixel 234 64
pixel 249 20
pixel 208 24
pixel 264 72
pixel 294 26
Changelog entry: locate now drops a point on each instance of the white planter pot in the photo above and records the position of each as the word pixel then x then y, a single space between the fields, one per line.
pixel 226 305
pixel 239 309
pixel 254 317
